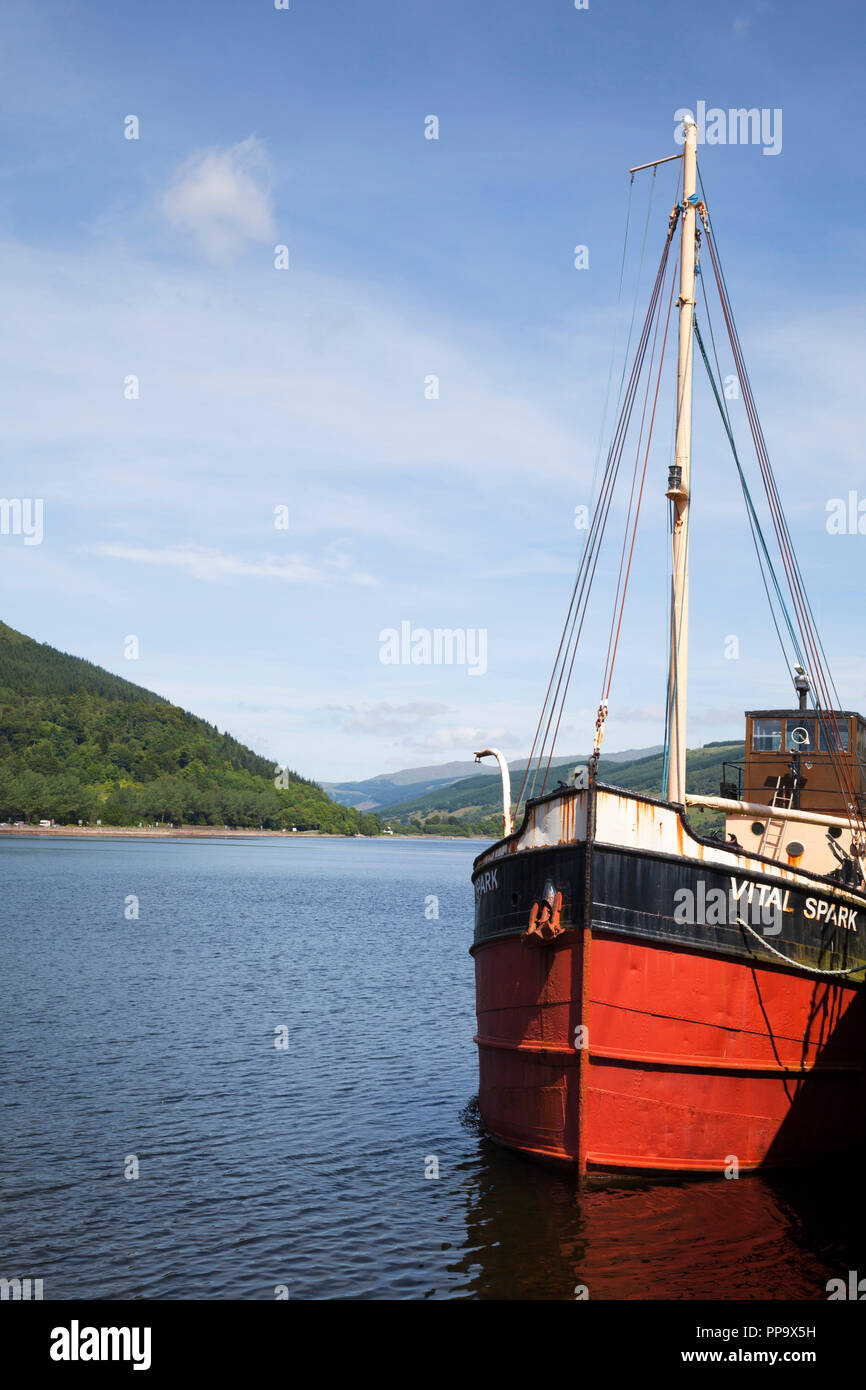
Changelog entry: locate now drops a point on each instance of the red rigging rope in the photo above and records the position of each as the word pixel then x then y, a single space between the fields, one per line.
pixel 573 627
pixel 632 517
pixel 825 704
pixel 760 545
pixel 605 685
pixel 613 643
pixel 753 523
pixel 557 688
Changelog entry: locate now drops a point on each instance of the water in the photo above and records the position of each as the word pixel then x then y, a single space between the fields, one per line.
pixel 154 1039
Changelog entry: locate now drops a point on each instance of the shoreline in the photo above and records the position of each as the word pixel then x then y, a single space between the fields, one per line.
pixel 206 832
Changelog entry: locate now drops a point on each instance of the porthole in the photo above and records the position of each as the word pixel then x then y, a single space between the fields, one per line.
pixel 795 849
pixel 757 828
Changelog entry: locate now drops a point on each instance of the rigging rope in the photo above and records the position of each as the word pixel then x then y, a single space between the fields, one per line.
pixel 577 611
pixel 598 454
pixel 754 525
pixel 556 692
pixel 825 696
pixel 634 301
pixel 801 627
pixel 820 644
pixel 631 527
pixel 760 543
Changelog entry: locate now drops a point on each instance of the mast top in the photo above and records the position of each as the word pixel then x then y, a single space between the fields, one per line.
pixel 688 120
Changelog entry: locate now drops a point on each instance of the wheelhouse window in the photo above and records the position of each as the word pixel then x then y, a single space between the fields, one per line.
pixel 833 737
pixel 767 736
pixel 800 736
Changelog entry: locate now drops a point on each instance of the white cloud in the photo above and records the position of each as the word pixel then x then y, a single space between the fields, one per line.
pixel 464 738
pixel 643 714
pixel 222 199
pixel 417 722
pixel 389 719
pixel 384 718
pixel 202 562
pixel 241 411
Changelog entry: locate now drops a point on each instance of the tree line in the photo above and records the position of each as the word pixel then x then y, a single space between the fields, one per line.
pixel 79 744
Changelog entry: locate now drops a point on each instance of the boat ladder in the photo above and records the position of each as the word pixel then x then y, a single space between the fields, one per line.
pixel 775 828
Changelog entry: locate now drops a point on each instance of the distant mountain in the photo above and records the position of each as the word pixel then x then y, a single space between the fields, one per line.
pixel 476 799
pixel 78 743
pixel 393 788
pixel 373 793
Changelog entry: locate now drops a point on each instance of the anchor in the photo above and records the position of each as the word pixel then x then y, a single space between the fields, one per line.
pixel 544 924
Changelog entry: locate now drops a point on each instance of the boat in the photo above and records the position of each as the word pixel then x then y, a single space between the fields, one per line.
pixel 674 982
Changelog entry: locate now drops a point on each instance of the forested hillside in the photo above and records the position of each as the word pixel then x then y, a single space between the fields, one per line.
pixel 473 805
pixel 80 744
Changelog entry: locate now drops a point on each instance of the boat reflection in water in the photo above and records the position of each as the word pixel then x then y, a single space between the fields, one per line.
pixel 532 1232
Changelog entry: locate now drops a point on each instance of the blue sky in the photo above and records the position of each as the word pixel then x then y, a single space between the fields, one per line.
pixel 304 388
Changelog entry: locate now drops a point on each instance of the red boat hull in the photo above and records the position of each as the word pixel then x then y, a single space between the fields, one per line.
pixel 608 1053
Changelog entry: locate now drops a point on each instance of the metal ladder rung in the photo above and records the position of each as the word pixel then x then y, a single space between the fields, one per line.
pixel 782 800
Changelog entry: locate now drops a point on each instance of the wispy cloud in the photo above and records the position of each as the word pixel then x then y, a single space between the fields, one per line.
pixel 414 725
pixel 210 565
pixel 221 198
pixel 387 719
pixel 463 738
pixel 307 389
pixel 643 714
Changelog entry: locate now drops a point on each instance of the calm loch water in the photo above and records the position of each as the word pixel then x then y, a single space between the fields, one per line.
pixel 151 1041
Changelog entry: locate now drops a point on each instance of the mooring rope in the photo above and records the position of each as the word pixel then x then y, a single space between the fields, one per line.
pixel 813 969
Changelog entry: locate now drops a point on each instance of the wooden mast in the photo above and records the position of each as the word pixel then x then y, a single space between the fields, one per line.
pixel 678 482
